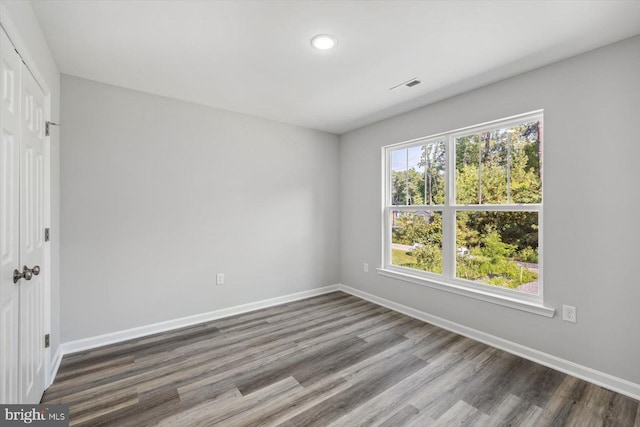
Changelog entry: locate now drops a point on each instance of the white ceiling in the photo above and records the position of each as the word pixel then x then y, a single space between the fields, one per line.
pixel 254 57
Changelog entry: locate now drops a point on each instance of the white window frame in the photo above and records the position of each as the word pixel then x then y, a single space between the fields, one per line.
pixel 447 281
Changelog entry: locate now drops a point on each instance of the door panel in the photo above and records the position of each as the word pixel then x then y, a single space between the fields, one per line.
pixel 9 218
pixel 32 372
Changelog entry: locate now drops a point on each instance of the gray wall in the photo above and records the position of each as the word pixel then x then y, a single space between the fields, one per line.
pixel 22 16
pixel 591 206
pixel 160 195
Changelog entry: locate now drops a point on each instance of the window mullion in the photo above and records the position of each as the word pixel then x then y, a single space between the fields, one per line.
pixel 448 242
pixel 448 220
pixel 426 173
pixel 480 168
pixel 407 181
pixel 508 167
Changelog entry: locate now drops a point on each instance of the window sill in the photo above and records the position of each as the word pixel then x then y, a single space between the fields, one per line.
pixel 529 307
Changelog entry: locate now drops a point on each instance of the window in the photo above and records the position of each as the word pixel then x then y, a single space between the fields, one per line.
pixel 464 209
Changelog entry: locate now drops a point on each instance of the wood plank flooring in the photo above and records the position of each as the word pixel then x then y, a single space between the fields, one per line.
pixel 329 360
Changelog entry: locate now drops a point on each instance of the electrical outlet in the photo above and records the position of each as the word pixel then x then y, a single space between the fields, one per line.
pixel 569 313
pixel 365 268
pixel 219 278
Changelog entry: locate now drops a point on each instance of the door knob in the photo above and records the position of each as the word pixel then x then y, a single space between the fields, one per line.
pixel 26 274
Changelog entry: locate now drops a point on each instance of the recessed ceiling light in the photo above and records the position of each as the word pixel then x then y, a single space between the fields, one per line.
pixel 324 42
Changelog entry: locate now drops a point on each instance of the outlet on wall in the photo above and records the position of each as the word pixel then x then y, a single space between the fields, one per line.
pixel 219 278
pixel 569 313
pixel 365 268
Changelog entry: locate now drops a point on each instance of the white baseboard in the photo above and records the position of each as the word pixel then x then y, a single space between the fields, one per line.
pixel 141 331
pixel 602 379
pixel 55 365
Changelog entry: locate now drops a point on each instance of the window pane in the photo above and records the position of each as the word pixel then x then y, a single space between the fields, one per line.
pixel 434 161
pixel 416 240
pixel 399 177
pixel 467 167
pixel 526 163
pixel 498 248
pixel 407 176
pixel 500 166
pixel 494 149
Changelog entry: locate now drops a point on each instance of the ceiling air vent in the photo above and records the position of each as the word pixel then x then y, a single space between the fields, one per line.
pixel 409 83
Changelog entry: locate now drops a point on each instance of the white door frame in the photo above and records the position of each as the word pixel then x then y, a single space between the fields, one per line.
pixel 18 42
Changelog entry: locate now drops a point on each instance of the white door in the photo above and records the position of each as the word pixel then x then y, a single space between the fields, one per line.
pixel 9 218
pixel 22 230
pixel 32 372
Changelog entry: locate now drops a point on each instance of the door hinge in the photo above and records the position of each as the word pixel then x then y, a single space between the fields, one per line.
pixel 47 341
pixel 47 127
pixel 47 234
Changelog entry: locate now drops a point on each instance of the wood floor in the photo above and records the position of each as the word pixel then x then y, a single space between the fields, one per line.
pixel 328 360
